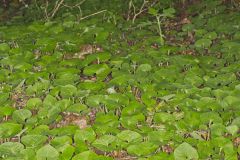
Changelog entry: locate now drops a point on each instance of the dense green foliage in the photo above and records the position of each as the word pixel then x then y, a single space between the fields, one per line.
pixel 145 95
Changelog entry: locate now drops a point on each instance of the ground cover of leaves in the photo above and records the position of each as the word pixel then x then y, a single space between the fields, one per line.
pixel 126 98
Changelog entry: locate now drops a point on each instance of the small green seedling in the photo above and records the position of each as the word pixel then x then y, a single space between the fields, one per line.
pixel 160 17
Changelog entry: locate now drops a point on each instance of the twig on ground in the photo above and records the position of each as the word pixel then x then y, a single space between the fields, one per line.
pixel 141 10
pixel 45 10
pixel 56 8
pixel 93 14
pixel 144 7
pixel 60 3
pixel 78 5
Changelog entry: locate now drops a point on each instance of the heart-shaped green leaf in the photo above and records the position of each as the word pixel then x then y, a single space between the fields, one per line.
pixel 47 152
pixel 185 152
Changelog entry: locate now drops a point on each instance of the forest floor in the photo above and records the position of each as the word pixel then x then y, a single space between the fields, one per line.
pixel 97 90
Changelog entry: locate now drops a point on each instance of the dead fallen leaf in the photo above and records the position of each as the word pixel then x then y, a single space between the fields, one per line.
pixel 73 119
pixel 20 99
pixel 236 141
pixel 167 149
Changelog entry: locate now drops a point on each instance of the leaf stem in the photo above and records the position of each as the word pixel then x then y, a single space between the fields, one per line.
pixel 159 28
